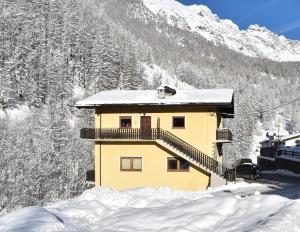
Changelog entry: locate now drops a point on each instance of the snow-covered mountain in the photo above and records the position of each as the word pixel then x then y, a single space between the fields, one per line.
pixel 256 41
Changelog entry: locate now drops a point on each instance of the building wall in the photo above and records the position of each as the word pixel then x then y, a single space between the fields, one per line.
pixel 278 163
pixel 292 142
pixel 154 172
pixel 200 123
pixel 200 131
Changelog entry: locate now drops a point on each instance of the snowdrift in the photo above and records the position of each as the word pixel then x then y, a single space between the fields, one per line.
pixel 146 209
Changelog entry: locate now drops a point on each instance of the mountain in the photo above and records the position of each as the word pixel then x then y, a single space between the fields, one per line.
pixel 55 52
pixel 256 41
pixel 168 30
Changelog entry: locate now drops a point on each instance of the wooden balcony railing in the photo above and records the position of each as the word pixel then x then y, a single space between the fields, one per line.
pixel 155 134
pixel 224 135
pixel 119 134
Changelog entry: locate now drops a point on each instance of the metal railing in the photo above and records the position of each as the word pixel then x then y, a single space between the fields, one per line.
pixel 224 134
pixel 154 134
pixel 192 152
pixel 290 153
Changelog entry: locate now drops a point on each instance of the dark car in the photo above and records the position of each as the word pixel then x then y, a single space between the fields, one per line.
pixel 248 171
pixel 244 161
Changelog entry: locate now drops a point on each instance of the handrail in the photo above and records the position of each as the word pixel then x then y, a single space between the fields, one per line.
pixel 154 134
pixel 210 163
pixel 290 153
pixel 119 133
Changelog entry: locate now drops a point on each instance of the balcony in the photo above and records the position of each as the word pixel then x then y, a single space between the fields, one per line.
pixel 224 136
pixel 119 134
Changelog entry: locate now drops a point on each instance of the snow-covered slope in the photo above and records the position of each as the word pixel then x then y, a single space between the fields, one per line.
pixel 155 75
pixel 163 209
pixel 18 113
pixel 256 41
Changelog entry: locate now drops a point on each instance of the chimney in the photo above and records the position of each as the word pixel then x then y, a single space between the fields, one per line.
pixel 165 90
pixel 161 93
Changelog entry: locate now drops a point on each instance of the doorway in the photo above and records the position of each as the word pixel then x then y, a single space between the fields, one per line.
pixel 146 127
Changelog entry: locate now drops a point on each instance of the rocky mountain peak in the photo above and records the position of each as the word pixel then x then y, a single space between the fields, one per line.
pixel 256 41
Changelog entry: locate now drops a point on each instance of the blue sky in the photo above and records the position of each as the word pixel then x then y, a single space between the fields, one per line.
pixel 279 16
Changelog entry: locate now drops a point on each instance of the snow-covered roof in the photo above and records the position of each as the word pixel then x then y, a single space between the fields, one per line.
pixel 292 136
pixel 268 140
pixel 219 97
pixel 282 139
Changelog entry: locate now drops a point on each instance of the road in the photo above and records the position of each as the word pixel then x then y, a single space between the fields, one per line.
pixel 286 186
pixel 277 184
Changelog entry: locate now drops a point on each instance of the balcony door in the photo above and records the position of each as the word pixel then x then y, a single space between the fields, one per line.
pixel 146 127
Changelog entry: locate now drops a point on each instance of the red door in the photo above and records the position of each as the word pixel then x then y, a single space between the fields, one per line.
pixel 146 127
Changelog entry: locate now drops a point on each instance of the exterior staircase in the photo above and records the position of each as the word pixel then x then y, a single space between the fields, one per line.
pixel 194 156
pixel 219 174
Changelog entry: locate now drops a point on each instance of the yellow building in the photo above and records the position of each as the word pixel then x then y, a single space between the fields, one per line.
pixel 163 137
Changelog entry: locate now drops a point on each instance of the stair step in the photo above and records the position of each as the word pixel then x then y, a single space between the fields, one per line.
pixel 182 144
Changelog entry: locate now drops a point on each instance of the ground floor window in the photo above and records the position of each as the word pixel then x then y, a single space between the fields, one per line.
pixel 131 164
pixel 178 164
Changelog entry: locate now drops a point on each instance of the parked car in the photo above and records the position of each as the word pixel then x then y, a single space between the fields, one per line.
pixel 248 171
pixel 244 161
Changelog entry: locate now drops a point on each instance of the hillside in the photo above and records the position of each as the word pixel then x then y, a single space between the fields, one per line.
pixel 199 62
pixel 54 53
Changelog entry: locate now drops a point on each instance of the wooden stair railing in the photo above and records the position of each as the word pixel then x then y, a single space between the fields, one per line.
pixel 154 134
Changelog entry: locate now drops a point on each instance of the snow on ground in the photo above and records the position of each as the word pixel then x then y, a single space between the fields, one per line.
pixel 267 158
pixel 19 113
pixel 282 172
pixel 153 73
pixel 162 209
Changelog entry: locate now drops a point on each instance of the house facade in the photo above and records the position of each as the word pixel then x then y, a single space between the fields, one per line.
pixel 280 145
pixel 280 153
pixel 291 140
pixel 163 137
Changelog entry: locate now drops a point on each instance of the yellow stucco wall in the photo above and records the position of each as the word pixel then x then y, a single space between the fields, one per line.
pixel 200 123
pixel 200 131
pixel 154 171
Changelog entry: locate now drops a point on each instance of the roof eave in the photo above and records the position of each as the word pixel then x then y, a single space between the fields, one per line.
pixel 91 106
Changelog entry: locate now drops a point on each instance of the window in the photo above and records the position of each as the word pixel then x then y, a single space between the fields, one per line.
pixel 178 122
pixel 178 164
pixel 131 164
pixel 125 122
